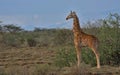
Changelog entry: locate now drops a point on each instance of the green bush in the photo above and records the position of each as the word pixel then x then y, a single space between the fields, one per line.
pixel 65 57
pixel 88 57
pixel 31 42
pixel 63 37
pixel 11 40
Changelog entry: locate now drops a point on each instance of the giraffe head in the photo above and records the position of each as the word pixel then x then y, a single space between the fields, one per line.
pixel 71 15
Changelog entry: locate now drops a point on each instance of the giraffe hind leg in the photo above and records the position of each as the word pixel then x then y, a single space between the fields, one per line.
pixel 97 57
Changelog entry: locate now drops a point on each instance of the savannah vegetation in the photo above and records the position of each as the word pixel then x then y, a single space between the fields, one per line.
pixel 52 52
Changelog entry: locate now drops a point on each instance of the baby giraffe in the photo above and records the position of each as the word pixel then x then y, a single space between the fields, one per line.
pixel 82 39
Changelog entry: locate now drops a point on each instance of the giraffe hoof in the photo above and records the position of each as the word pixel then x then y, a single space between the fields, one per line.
pixel 98 67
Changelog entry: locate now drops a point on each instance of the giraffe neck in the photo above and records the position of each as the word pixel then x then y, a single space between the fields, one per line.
pixel 76 26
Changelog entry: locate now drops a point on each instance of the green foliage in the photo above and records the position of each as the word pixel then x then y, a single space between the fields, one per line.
pixel 88 56
pixel 37 29
pixel 31 42
pixel 63 36
pixel 107 31
pixel 65 58
pixel 0 28
pixel 11 40
pixel 12 28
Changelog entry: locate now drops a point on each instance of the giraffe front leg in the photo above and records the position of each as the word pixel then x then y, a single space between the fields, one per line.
pixel 78 52
pixel 78 59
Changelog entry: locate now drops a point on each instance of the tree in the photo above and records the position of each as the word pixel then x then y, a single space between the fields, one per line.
pixel 12 28
pixel 37 29
pixel 114 19
pixel 0 21
pixel 1 28
pixel 110 39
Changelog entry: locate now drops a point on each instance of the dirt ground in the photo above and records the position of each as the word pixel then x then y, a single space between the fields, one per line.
pixel 27 58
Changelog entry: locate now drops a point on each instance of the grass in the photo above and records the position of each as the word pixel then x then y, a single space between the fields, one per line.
pixel 25 55
pixel 40 61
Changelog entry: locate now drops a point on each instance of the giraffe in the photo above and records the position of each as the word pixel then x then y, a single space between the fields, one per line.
pixel 82 39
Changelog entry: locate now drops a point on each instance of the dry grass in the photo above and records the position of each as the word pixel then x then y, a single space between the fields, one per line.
pixel 26 56
pixel 87 70
pixel 40 61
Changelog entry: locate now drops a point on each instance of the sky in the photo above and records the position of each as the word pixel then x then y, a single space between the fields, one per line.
pixel 29 14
